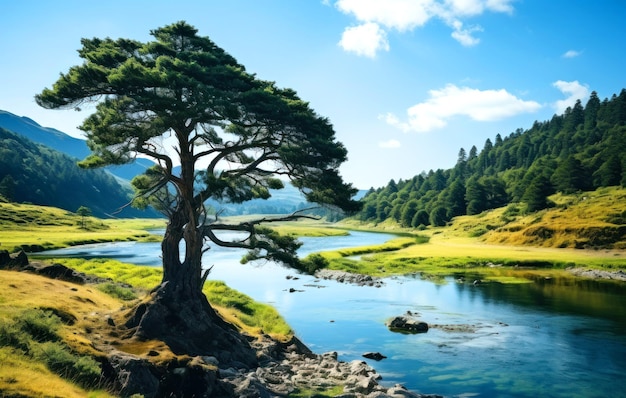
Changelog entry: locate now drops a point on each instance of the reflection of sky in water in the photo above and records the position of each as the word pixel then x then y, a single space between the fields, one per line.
pixel 522 346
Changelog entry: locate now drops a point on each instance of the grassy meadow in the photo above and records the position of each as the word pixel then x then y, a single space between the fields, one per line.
pixel 45 228
pixel 581 230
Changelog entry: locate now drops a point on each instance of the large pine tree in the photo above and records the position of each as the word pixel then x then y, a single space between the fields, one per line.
pixel 233 136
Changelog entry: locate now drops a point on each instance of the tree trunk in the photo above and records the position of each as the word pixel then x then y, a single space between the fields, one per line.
pixel 177 311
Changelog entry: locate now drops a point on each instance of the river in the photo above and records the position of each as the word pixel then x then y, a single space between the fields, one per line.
pixel 550 338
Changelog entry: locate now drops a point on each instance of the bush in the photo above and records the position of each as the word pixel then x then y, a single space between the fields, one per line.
pixel 40 325
pixel 12 336
pixel 117 291
pixel 82 370
pixel 312 263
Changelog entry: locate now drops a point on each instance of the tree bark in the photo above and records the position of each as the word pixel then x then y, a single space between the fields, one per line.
pixel 177 311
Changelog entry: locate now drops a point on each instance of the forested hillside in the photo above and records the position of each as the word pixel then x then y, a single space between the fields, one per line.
pixel 37 174
pixel 582 149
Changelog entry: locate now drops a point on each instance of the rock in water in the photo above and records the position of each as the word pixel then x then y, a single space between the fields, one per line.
pixel 376 356
pixel 404 324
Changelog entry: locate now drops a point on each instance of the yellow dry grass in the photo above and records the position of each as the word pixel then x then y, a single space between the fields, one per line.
pixel 23 378
pixel 583 220
pixel 88 306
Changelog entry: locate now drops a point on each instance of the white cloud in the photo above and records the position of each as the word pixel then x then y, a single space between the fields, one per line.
pixel 366 39
pixel 464 36
pixel 571 54
pixel 401 15
pixel 406 15
pixel 479 105
pixel 391 144
pixel 574 90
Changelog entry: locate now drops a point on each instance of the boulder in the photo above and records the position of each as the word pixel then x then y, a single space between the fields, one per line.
pixel 133 375
pixel 18 262
pixel 5 258
pixel 376 356
pixel 404 324
pixel 59 271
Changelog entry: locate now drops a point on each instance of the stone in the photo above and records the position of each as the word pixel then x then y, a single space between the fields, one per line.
pixel 376 356
pixel 61 272
pixel 133 376
pixel 404 324
pixel 5 258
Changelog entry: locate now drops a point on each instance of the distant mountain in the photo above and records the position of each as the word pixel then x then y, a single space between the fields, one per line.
pixel 62 142
pixel 37 174
pixel 47 136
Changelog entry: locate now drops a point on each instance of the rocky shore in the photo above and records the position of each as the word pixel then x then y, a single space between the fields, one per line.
pixel 618 275
pixel 285 368
pixel 349 277
pixel 293 367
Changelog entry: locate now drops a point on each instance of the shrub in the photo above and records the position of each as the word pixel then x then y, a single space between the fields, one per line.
pixel 40 325
pixel 12 336
pixel 117 291
pixel 83 370
pixel 312 263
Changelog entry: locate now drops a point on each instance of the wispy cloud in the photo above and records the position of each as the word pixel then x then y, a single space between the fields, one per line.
pixel 451 101
pixel 574 91
pixel 407 15
pixel 391 144
pixel 366 40
pixel 571 54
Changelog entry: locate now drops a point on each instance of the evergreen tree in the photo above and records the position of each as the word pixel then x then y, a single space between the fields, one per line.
pixel 408 213
pixel 591 111
pixel 536 195
pixel 610 173
pixel 475 196
pixel 420 218
pixel 248 131
pixel 439 216
pixel 7 187
pixel 455 199
pixel 570 176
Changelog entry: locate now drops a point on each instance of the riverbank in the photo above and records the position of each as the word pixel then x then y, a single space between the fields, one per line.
pixel 285 368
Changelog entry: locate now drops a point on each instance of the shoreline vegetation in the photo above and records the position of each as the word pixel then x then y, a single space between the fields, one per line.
pixel 500 246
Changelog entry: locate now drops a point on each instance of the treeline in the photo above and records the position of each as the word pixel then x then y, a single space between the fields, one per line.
pixel 34 173
pixel 582 149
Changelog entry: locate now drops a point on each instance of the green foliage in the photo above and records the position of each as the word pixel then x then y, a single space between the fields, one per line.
pixel 312 263
pixel 439 216
pixel 580 150
pixel 120 292
pixel 11 335
pixel 40 325
pixel 59 359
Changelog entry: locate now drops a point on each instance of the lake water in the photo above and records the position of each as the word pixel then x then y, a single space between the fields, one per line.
pixel 550 338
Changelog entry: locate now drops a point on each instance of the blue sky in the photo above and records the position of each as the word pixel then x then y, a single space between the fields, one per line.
pixel 406 83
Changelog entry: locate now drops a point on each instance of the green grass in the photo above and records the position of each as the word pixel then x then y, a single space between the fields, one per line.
pixel 317 393
pixel 31 337
pixel 236 307
pixel 501 244
pixel 35 228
